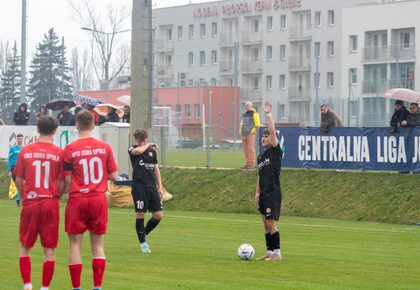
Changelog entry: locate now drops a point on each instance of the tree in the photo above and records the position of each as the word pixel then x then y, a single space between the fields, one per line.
pixel 4 54
pixel 104 40
pixel 10 85
pixel 49 72
pixel 81 70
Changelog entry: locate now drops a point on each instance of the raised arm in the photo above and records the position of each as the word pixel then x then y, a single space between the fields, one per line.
pixel 270 124
pixel 140 149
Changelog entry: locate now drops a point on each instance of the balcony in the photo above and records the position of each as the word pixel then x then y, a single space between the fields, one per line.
pixel 375 53
pixel 251 66
pixel 250 37
pixel 373 86
pixel 403 52
pixel 390 53
pixel 251 94
pixel 300 32
pixel 163 45
pixel 299 93
pixel 164 72
pixel 299 63
pixel 226 66
pixel 228 39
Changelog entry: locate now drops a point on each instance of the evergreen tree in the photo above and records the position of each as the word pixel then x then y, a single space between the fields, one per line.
pixel 49 72
pixel 10 86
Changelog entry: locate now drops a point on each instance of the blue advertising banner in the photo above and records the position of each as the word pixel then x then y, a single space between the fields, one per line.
pixel 351 148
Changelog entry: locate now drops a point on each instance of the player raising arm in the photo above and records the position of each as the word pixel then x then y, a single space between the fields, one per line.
pixel 39 177
pixel 268 192
pixel 88 163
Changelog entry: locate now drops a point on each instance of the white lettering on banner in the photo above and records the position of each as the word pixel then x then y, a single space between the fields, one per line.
pixel 329 148
pixel 391 151
pixel 416 157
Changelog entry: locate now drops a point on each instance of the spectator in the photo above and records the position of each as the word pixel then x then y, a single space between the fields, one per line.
pixel 413 118
pixel 21 116
pixel 328 119
pixel 38 115
pixel 112 115
pixel 126 117
pixel 248 127
pixel 400 114
pixel 43 110
pixel 66 118
pixel 91 109
pixel 77 110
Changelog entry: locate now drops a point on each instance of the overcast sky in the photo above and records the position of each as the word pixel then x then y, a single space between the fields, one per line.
pixel 44 14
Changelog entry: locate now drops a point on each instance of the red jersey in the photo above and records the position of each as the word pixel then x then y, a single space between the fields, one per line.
pixel 41 166
pixel 89 161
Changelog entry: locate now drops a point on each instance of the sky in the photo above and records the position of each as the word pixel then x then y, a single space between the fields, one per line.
pixel 44 14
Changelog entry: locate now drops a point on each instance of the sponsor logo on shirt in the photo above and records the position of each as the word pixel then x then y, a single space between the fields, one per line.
pixel 264 163
pixel 149 166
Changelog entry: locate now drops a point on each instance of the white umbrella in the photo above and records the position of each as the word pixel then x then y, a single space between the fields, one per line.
pixel 125 99
pixel 406 95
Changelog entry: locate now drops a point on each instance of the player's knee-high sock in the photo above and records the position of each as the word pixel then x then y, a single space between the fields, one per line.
pixel 25 271
pixel 151 224
pixel 75 273
pixel 268 242
pixel 140 230
pixel 47 273
pixel 275 238
pixel 98 267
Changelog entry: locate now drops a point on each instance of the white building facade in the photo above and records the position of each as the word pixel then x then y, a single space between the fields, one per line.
pixel 293 53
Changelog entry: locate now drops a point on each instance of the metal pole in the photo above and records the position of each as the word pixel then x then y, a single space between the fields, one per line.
pixel 151 59
pixel 107 68
pixel 316 114
pixel 23 55
pixel 62 67
pixel 235 87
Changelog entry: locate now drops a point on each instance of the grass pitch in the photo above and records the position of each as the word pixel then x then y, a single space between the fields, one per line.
pixel 192 250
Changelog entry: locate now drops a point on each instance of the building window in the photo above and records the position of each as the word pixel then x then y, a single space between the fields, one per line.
pixel 280 111
pixel 178 112
pixel 269 53
pixel 191 58
pixel 197 111
pixel 255 83
pixel 317 49
pixel 269 23
pixel 316 80
pixel 282 82
pixel 317 18
pixel 202 57
pixel 255 54
pixel 214 56
pixel 202 30
pixel 269 83
pixel 353 43
pixel 191 31
pixel 179 32
pixel 154 34
pixel 405 40
pixel 214 28
pixel 353 76
pixel 283 22
pixel 255 25
pixel 213 82
pixel 282 52
pixel 330 79
pixel 187 111
pixel 169 31
pixel 330 48
pixel 331 18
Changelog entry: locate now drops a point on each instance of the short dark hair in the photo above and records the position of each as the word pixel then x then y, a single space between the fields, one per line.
pixel 47 124
pixel 140 135
pixel 84 119
pixel 323 105
pixel 266 132
pixel 19 135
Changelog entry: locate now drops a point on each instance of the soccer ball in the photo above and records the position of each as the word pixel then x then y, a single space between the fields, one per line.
pixel 246 252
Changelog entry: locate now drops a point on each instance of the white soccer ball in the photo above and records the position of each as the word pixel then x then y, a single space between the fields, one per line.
pixel 246 252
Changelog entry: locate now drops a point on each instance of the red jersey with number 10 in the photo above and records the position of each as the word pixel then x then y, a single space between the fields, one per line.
pixel 89 161
pixel 41 166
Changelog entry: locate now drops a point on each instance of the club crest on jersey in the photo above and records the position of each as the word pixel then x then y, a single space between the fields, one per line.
pixel 268 210
pixel 150 154
pixel 32 194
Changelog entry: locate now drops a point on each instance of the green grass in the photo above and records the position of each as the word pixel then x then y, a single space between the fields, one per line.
pixel 197 250
pixel 198 158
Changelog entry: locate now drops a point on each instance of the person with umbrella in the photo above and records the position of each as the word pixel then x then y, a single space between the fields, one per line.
pixel 400 114
pixel 65 117
pixel 413 119
pixel 21 116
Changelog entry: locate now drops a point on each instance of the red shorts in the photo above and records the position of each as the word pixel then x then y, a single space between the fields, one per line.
pixel 40 217
pixel 87 213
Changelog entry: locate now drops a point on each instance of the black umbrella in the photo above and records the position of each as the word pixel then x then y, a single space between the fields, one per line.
pixel 59 104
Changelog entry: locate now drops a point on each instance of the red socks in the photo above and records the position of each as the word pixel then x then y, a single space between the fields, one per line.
pixel 47 273
pixel 25 269
pixel 75 273
pixel 98 267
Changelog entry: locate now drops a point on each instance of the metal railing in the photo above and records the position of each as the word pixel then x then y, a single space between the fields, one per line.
pixel 379 86
pixel 164 72
pixel 389 53
pixel 225 65
pixel 251 65
pixel 227 39
pixel 300 31
pixel 297 62
pixel 250 36
pixel 164 45
pixel 252 94
pixel 299 93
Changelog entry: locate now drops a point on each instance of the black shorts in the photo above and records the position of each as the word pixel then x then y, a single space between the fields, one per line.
pixel 270 204
pixel 145 199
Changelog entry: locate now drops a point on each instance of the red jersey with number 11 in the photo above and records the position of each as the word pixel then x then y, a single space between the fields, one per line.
pixel 41 166
pixel 89 160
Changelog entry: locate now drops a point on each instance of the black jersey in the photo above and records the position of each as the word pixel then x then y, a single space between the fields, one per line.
pixel 144 166
pixel 269 166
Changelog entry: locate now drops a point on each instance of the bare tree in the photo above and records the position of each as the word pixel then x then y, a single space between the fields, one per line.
pixel 104 38
pixel 4 54
pixel 81 70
